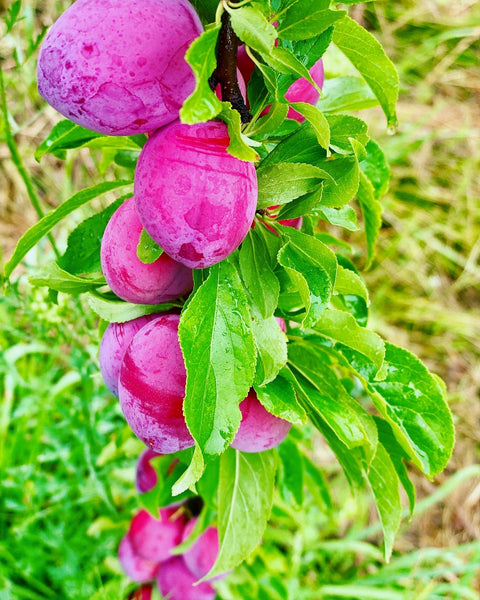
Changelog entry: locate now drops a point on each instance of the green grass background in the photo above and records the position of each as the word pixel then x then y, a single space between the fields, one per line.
pixel 66 456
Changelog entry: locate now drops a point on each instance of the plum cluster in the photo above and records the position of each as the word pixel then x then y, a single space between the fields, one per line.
pixel 146 551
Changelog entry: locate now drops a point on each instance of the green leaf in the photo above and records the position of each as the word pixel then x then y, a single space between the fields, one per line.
pixel 238 146
pixel 206 9
pixel 301 206
pixel 168 470
pixel 341 217
pixel 324 398
pixel 343 186
pixel 369 58
pixel 348 282
pixel 261 284
pixel 278 397
pixel 317 484
pixel 291 473
pixel 307 18
pixel 345 94
pixel 413 403
pixel 283 182
pixel 271 121
pixel 311 50
pixel 286 62
pixel 83 247
pixel 252 28
pixel 202 105
pixel 118 311
pixel 383 480
pixel 342 326
pixel 316 119
pixel 64 136
pixel 148 251
pixel 372 215
pixel 398 457
pixel 55 278
pixel 193 473
pixel 47 223
pixel 245 497
pixel 376 168
pixel 299 147
pixel 344 127
pixel 271 344
pixel 219 350
pixel 316 263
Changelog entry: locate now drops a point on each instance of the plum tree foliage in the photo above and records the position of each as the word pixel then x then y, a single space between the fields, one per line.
pixel 234 194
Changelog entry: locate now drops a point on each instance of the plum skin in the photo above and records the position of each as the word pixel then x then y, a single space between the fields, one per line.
pixel 302 90
pixel 193 198
pixel 137 568
pixel 117 66
pixel 115 341
pixel 128 277
pixel 152 539
pixel 152 387
pixel 175 581
pixel 259 430
pixel 146 476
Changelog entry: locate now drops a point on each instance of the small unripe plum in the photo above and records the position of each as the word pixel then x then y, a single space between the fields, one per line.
pixel 152 386
pixel 132 280
pixel 259 429
pixel 117 66
pixel 115 341
pixel 137 568
pixel 303 91
pixel 193 198
pixel 146 476
pixel 153 539
pixel 175 581
pixel 201 556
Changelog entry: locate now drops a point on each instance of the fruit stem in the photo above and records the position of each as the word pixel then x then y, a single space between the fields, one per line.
pixel 226 72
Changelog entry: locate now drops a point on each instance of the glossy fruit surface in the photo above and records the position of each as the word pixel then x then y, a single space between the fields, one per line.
pixel 152 387
pixel 137 568
pixel 259 429
pixel 115 341
pixel 117 66
pixel 146 476
pixel 132 280
pixel 194 199
pixel 153 539
pixel 201 556
pixel 303 91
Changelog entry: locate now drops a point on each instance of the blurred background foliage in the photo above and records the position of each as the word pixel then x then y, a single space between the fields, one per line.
pixel 66 456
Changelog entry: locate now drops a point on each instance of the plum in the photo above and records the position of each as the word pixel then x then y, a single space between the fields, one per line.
pixel 117 66
pixel 175 582
pixel 146 476
pixel 132 280
pixel 259 429
pixel 115 340
pixel 135 567
pixel 201 556
pixel 152 539
pixel 303 91
pixel 295 223
pixel 193 198
pixel 152 386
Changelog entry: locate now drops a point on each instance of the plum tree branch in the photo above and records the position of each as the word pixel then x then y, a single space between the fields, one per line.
pixel 226 72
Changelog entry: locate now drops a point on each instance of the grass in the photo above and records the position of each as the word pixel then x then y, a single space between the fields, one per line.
pixel 66 455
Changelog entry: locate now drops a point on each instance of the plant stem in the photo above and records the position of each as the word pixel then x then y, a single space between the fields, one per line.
pixel 226 72
pixel 17 160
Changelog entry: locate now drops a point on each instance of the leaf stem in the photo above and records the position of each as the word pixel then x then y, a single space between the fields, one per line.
pixel 17 160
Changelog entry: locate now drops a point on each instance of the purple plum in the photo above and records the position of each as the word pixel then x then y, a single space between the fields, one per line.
pixel 303 91
pixel 146 476
pixel 152 386
pixel 175 581
pixel 193 198
pixel 117 66
pixel 143 593
pixel 132 280
pixel 137 568
pixel 153 539
pixel 115 341
pixel 201 556
pixel 259 429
